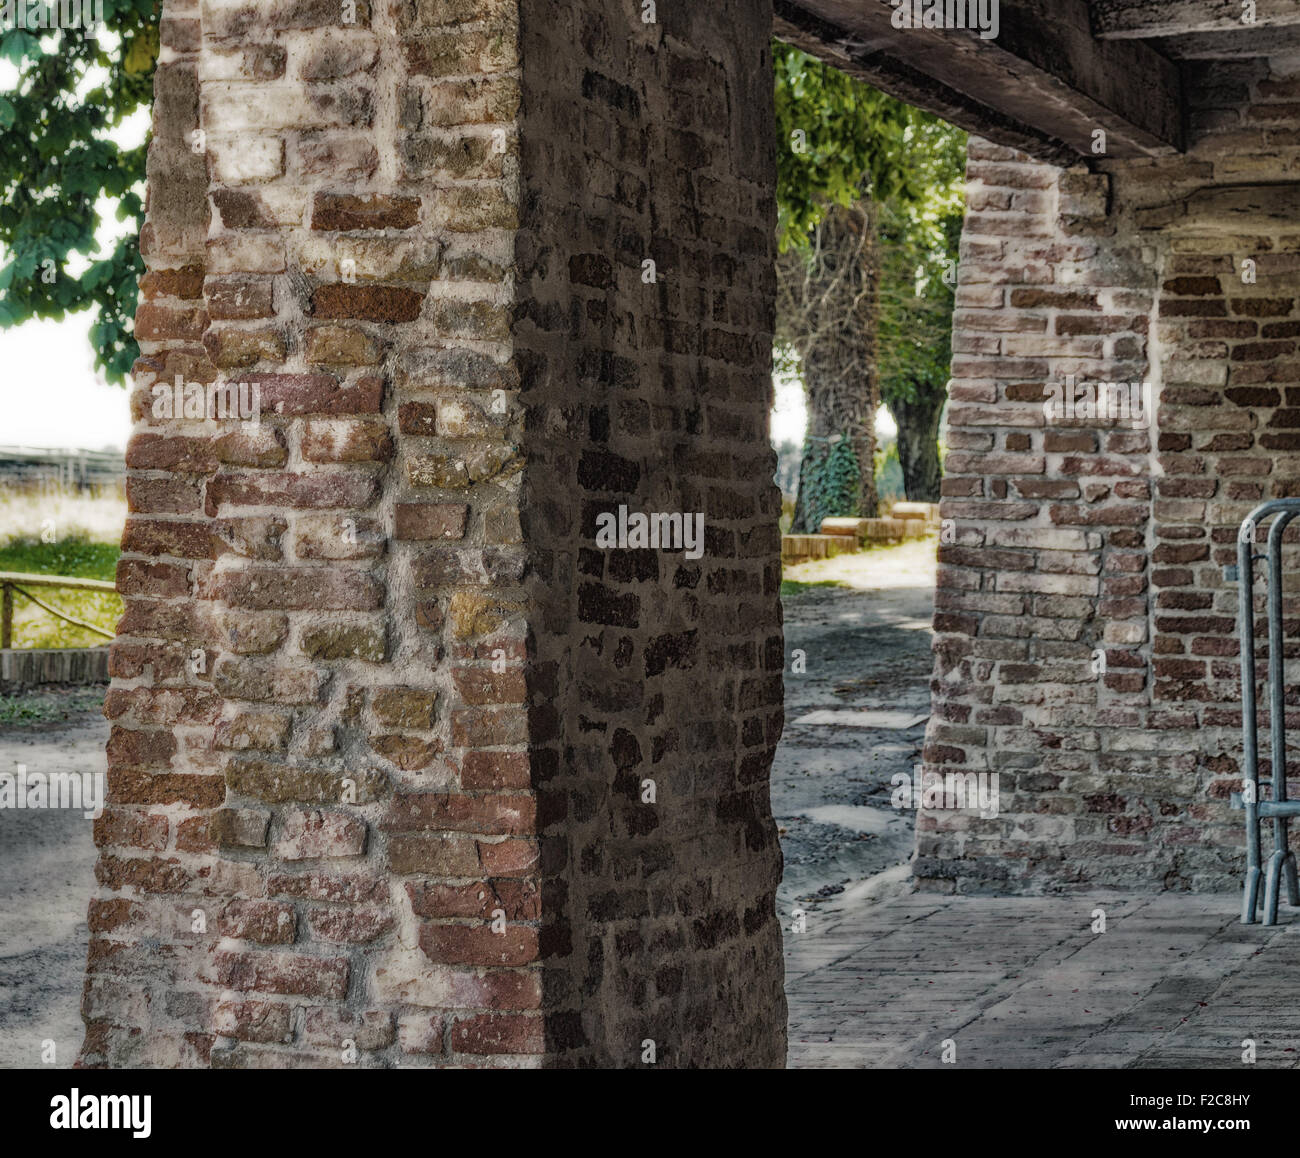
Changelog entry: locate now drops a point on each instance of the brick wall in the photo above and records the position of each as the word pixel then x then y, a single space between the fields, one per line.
pixel 1074 538
pixel 381 710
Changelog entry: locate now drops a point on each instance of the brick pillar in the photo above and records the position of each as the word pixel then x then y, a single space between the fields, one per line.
pixel 654 143
pixel 1086 643
pixel 385 711
pixel 1041 610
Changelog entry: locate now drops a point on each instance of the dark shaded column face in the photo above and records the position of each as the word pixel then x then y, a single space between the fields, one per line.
pixel 644 340
pixel 411 763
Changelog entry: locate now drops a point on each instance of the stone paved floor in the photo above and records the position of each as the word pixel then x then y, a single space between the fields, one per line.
pixel 1174 982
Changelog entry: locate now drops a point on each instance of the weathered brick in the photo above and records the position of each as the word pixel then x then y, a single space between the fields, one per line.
pixel 277 783
pixel 239 827
pixel 294 588
pixel 313 834
pixel 371 303
pixel 252 972
pixel 335 641
pixel 423 521
pixel 436 812
pixel 404 707
pixel 497 1033
pixel 348 211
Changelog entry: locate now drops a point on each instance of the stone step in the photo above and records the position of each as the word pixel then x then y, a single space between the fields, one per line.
pixel 802 548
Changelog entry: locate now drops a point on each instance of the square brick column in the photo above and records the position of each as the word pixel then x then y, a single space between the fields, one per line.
pixel 406 767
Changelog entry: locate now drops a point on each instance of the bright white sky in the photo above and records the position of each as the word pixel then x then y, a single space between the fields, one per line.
pixel 50 394
pixel 790 415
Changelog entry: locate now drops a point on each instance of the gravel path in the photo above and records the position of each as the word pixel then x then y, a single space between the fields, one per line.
pixel 867 646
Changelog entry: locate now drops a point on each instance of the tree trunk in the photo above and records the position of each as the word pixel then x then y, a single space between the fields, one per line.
pixel 835 412
pixel 816 444
pixel 918 445
pixel 827 312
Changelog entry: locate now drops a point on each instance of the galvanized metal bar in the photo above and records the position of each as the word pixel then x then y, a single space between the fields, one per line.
pixel 1269 808
pixel 1249 721
pixel 1276 645
pixel 1281 863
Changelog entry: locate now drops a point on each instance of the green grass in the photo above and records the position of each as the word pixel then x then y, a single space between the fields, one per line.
pixel 45 706
pixel 86 528
pixel 76 557
pixel 791 587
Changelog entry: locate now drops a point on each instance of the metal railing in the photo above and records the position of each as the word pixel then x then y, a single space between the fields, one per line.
pixel 1278 809
pixel 14 582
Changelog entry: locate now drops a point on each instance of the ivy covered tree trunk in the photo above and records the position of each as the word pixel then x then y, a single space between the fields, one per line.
pixel 918 443
pixel 827 312
pixel 840 439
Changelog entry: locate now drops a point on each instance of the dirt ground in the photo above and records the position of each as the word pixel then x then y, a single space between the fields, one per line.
pixel 867 644
pixel 866 639
pixel 48 859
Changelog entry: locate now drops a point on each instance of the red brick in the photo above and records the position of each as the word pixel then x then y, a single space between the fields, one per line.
pixel 323 491
pixel 424 521
pixel 373 303
pixel 440 812
pixel 267 922
pixel 299 394
pixel 325 977
pixel 495 770
pixel 351 926
pixel 498 1033
pixel 479 945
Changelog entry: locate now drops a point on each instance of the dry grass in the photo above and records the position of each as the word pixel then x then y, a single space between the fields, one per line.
pixel 96 514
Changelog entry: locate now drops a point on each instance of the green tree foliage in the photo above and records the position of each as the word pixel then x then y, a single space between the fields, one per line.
pixel 843 143
pixel 838 140
pixel 57 165
pixel 919 242
pixel 919 245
